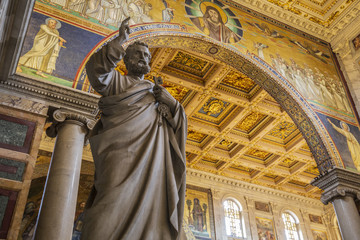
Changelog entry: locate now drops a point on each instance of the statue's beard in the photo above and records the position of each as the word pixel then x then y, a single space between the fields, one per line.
pixel 138 68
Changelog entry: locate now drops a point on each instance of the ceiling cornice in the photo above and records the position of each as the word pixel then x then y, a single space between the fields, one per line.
pixel 325 28
pixel 199 177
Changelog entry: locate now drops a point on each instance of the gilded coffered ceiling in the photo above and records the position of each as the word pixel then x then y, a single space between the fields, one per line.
pixel 322 18
pixel 235 129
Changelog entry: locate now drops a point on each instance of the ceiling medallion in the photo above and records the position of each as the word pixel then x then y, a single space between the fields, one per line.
pixel 214 107
pixel 225 143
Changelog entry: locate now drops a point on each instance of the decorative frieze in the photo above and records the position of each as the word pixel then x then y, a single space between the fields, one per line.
pixel 229 183
pixel 52 94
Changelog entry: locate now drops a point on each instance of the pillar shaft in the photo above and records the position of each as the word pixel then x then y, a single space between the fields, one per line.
pixel 58 206
pixel 348 217
pixel 341 187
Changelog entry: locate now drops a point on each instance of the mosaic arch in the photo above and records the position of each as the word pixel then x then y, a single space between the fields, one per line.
pixel 261 73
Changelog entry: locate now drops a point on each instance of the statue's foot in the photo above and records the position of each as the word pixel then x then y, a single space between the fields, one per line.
pixel 18 69
pixel 41 74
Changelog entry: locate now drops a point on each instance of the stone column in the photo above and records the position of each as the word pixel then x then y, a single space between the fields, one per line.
pixel 252 231
pixel 278 221
pixel 56 217
pixel 218 214
pixel 305 225
pixel 341 187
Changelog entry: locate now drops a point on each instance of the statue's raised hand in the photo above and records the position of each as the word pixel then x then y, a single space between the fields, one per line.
pixel 124 29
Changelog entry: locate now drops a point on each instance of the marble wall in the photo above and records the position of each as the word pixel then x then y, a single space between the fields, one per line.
pixel 21 125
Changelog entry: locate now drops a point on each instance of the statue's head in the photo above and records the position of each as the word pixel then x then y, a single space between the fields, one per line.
pixel 137 58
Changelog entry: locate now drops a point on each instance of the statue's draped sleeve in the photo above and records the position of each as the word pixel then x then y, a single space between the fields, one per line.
pixel 100 67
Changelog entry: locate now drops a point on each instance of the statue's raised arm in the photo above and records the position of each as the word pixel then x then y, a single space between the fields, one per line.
pixel 124 31
pixel 100 67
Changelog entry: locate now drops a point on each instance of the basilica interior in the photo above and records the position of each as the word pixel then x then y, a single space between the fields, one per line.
pixel 266 153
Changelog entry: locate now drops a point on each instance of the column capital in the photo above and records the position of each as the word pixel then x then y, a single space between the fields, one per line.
pixel 215 194
pixel 343 48
pixel 59 116
pixel 338 182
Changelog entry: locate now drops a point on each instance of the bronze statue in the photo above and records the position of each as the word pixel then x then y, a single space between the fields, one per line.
pixel 139 152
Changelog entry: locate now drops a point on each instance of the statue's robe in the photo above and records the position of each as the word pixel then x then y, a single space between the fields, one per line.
pixel 139 164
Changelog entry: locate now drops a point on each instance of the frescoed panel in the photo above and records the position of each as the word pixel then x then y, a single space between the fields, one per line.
pixel 315 219
pixel 54 49
pixel 319 235
pixel 198 213
pixel 27 227
pixel 261 206
pixel 356 42
pixel 32 206
pixel 345 136
pixel 265 228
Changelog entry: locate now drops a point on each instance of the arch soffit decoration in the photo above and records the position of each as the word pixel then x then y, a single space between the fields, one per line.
pixel 266 77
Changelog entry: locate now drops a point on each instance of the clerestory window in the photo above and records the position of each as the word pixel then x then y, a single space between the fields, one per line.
pixel 234 220
pixel 291 226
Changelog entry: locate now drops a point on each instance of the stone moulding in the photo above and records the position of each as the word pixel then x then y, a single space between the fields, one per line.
pixel 52 94
pixel 338 182
pixel 214 179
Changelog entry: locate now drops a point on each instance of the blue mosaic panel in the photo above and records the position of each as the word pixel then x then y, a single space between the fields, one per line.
pixel 3 204
pixel 7 205
pixel 12 133
pixel 12 170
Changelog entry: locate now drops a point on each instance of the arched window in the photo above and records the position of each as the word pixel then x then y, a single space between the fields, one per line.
pixel 291 223
pixel 233 219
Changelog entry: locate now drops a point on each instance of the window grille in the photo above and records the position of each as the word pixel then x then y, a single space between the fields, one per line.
pixel 233 219
pixel 291 228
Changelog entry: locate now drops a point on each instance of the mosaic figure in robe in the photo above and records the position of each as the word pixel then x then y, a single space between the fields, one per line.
pixel 45 50
pixel 353 144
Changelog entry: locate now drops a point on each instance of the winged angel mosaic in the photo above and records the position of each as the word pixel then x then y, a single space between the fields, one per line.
pixel 215 20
